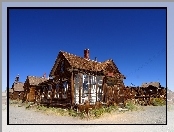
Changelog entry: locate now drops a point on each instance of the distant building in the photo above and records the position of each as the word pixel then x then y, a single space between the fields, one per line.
pixel 30 86
pixel 155 84
pixel 18 90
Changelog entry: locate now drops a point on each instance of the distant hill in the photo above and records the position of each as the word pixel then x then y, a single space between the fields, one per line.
pixel 170 94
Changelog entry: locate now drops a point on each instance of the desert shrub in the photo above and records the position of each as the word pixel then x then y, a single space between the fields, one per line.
pixel 111 109
pixel 158 102
pixel 14 101
pixel 81 114
pixel 97 112
pixel 62 112
pixel 52 110
pixel 42 108
pixel 130 105
pixel 72 113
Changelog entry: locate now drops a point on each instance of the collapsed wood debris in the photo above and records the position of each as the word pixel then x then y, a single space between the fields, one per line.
pixel 144 95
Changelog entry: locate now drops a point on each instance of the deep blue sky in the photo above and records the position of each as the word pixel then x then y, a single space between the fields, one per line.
pixel 134 38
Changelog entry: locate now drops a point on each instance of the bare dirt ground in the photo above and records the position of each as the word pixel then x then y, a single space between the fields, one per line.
pixel 155 115
pixel 149 115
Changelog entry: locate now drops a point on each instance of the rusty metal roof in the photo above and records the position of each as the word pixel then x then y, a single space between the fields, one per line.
pixel 18 86
pixel 82 63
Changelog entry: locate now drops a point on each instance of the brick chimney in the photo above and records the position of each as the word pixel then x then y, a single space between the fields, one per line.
pixel 86 54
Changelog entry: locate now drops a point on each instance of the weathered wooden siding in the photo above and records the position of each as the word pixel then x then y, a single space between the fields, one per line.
pixel 15 95
pixel 31 95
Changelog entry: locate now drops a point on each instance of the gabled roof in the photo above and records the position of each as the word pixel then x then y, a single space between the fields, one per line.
pixel 82 63
pixel 18 86
pixel 33 80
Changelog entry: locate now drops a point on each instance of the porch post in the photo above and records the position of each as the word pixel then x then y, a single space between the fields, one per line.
pixel 72 88
pixel 80 87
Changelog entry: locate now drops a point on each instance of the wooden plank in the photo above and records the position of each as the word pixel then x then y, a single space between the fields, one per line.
pixel 15 95
pixel 69 89
pixel 72 88
pixel 76 93
pixel 104 89
pixel 88 85
pixel 80 87
pixel 60 90
pixel 96 87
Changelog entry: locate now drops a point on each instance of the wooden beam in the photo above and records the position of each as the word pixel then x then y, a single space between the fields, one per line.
pixel 80 87
pixel 91 85
pixel 72 88
pixel 103 90
pixel 88 85
pixel 96 78
pixel 60 90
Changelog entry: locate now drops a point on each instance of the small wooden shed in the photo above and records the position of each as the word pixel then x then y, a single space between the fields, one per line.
pixel 30 87
pixel 18 90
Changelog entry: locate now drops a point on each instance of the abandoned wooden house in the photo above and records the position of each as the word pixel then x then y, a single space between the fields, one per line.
pixel 18 90
pixel 31 86
pixel 77 79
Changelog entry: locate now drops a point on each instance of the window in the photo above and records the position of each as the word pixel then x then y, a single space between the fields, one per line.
pixel 62 66
pixel 85 84
pixel 65 89
pixel 91 88
pixel 99 89
pixel 111 81
pixel 57 91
